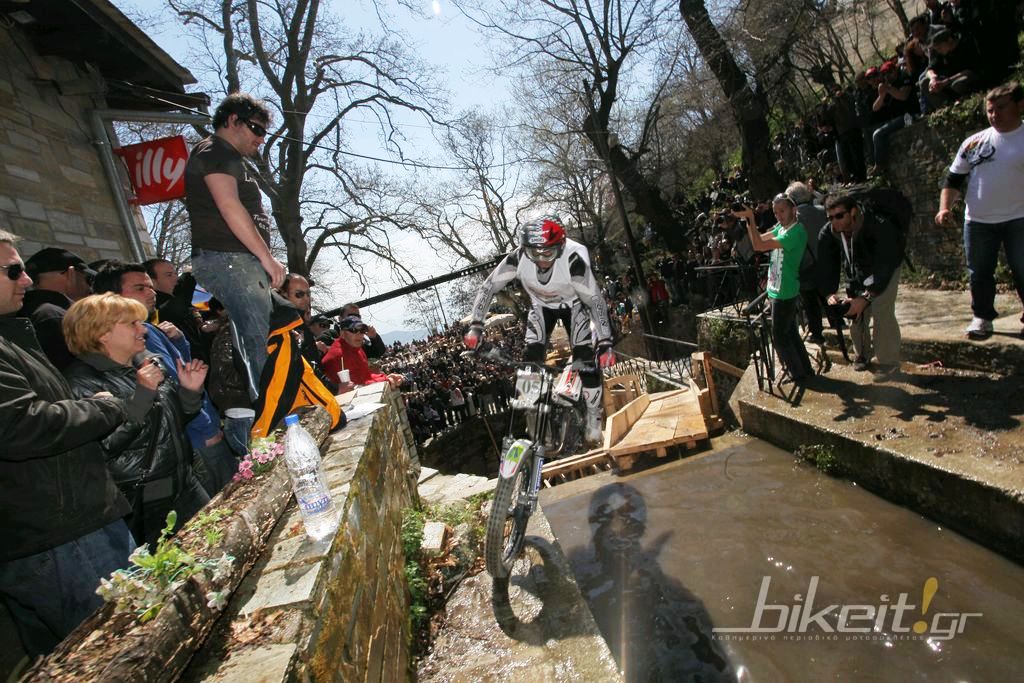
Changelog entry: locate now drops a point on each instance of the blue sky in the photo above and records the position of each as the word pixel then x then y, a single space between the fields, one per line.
pixel 444 39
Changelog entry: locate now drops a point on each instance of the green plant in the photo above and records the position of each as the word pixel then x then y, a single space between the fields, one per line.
pixel 208 524
pixel 144 587
pixel 413 521
pixel 822 456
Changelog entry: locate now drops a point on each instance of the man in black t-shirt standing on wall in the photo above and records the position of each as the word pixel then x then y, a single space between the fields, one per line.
pixel 231 255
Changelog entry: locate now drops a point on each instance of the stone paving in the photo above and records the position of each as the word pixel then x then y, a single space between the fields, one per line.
pixel 553 639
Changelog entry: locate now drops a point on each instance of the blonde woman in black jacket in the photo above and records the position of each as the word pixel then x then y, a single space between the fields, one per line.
pixel 151 459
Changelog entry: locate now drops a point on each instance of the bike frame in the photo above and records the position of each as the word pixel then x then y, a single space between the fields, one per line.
pixel 518 450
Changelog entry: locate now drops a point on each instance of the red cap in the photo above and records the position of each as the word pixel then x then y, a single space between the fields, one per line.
pixel 871 73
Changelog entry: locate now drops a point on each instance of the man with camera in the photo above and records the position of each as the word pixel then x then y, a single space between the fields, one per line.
pixel 786 242
pixel 867 246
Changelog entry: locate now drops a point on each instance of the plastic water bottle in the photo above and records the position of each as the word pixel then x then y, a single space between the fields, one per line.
pixel 302 457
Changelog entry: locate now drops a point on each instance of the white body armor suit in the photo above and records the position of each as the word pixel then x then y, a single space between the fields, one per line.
pixel 567 291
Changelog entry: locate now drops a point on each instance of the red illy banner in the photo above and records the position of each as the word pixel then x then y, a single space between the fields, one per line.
pixel 156 169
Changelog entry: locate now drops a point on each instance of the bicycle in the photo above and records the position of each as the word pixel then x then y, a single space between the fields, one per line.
pixel 555 415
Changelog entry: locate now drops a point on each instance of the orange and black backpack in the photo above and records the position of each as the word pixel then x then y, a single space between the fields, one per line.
pixel 288 381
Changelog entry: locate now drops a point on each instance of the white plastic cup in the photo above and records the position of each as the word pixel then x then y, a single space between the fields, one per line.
pixel 345 376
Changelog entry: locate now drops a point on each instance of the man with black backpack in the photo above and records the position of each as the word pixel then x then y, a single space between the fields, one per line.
pixel 866 243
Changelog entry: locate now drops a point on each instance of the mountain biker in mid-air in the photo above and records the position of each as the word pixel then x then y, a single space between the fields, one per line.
pixel 556 273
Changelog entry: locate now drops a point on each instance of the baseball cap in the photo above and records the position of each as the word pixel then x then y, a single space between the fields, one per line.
pixel 888 66
pixel 352 323
pixel 941 35
pixel 872 72
pixel 56 260
pixel 321 320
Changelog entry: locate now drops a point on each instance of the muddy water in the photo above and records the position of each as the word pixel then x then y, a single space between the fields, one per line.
pixel 666 557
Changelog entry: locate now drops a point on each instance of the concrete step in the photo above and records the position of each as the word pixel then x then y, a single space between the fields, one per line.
pixel 932 324
pixel 448 488
pixel 426 474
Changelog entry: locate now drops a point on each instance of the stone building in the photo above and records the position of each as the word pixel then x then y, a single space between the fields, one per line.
pixel 62 64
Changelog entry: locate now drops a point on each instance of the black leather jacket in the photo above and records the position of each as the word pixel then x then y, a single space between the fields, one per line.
pixel 877 254
pixel 54 483
pixel 169 409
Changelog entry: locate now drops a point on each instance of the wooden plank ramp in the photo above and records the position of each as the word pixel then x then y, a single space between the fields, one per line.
pixel 576 467
pixel 663 420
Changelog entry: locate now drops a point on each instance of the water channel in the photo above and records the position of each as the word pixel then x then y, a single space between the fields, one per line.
pixel 748 539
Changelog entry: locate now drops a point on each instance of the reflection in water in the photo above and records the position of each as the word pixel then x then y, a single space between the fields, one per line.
pixel 723 523
pixel 657 630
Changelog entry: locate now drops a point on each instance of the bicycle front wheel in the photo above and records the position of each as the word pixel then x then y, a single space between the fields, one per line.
pixel 506 525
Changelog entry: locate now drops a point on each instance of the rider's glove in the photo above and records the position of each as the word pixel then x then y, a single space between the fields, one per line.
pixel 474 335
pixel 605 354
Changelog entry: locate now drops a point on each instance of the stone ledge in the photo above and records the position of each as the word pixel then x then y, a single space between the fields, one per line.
pixel 339 604
pixel 973 493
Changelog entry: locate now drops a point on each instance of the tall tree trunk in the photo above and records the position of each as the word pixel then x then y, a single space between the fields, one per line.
pixel 749 105
pixel 901 13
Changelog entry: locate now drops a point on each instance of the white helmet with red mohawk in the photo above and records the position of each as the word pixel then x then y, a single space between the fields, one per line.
pixel 542 239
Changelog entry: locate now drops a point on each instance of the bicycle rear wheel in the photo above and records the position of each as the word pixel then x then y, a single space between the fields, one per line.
pixel 506 525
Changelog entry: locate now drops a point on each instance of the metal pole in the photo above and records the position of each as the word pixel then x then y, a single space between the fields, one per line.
pixel 440 305
pixel 99 119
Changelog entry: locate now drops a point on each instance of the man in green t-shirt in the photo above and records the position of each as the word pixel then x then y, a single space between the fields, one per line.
pixel 787 242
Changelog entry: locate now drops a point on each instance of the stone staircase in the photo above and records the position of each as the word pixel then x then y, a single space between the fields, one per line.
pixel 444 489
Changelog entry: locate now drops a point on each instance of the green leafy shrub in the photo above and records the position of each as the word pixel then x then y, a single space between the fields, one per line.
pixel 153 577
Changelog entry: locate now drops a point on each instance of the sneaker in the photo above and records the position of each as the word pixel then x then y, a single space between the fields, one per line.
pixel 886 370
pixel 816 339
pixel 860 364
pixel 979 329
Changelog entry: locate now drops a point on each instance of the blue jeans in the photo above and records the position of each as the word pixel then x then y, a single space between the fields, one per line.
pixel 52 592
pixel 786 336
pixel 880 138
pixel 239 282
pixel 981 242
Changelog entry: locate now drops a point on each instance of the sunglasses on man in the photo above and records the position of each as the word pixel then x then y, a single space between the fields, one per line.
pixel 14 271
pixel 257 130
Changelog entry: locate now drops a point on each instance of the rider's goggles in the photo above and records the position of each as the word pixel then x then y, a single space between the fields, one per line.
pixel 542 253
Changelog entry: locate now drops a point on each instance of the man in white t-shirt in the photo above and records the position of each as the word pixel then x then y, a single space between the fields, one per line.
pixel 990 165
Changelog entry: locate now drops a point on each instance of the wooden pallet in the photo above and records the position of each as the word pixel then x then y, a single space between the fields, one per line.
pixel 576 467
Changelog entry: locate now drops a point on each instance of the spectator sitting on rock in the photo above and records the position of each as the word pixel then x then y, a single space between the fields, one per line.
pixel 892 106
pixel 952 70
pixel 373 345
pixel 347 352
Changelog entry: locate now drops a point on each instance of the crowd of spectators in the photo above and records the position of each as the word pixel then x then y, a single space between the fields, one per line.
pixel 952 49
pixel 443 387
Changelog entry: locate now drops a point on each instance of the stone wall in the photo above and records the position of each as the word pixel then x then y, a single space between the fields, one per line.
pixel 920 156
pixel 53 191
pixel 336 609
